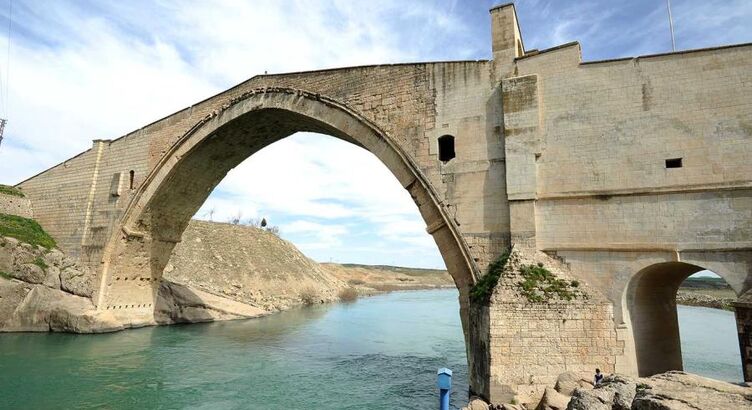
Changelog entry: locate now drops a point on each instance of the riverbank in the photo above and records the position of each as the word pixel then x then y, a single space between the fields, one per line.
pixel 706 292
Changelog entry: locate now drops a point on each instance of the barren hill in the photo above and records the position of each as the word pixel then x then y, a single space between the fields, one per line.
pixel 256 267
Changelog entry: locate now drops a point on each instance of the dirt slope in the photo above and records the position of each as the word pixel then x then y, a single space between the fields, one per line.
pixel 248 264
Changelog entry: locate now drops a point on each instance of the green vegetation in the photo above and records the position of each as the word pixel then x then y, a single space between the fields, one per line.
pixel 25 230
pixel 9 190
pixel 481 292
pixel 540 285
pixel 41 263
pixel 5 275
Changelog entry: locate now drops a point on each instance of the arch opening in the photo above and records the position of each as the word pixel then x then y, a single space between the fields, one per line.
pixel 173 192
pixel 655 317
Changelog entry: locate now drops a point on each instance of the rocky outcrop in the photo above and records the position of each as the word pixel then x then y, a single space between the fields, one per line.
pixel 688 298
pixel 667 391
pixel 180 304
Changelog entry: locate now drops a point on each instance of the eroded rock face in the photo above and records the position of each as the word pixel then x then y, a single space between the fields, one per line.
pixel 567 382
pixel 679 391
pixel 667 391
pixel 553 400
pixel 178 303
pixel 77 281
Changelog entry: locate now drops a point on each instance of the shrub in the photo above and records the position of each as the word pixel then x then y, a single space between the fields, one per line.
pixel 539 285
pixel 348 294
pixel 356 282
pixel 10 190
pixel 481 292
pixel 309 295
pixel 25 230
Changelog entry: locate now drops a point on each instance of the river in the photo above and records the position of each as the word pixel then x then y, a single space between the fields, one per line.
pixel 380 352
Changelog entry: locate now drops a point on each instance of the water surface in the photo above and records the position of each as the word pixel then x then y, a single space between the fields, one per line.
pixel 378 353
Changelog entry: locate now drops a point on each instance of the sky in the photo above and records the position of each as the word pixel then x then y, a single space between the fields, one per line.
pixel 82 70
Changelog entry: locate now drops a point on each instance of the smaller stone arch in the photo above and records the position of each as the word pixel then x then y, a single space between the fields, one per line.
pixel 650 306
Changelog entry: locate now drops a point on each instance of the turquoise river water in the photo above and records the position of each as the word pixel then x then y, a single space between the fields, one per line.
pixel 380 352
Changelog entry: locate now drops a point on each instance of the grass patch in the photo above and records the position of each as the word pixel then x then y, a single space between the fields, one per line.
pixel 5 275
pixel 41 263
pixel 25 230
pixel 348 294
pixel 539 285
pixel 309 296
pixel 9 190
pixel 356 282
pixel 481 292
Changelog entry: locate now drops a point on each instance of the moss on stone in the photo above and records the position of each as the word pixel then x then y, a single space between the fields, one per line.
pixel 539 285
pixel 9 190
pixel 25 230
pixel 481 292
pixel 5 275
pixel 41 263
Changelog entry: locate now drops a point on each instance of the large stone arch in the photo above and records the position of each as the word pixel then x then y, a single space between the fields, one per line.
pixel 158 212
pixel 650 306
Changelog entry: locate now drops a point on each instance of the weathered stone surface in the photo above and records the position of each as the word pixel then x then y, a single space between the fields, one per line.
pixel 567 382
pixel 476 404
pixel 44 309
pixel 12 293
pixel 180 304
pixel 29 273
pixel 667 391
pixel 77 282
pixel 52 277
pixel 684 391
pixel 553 400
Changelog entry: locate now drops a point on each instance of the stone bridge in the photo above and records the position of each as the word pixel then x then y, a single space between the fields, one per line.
pixel 635 172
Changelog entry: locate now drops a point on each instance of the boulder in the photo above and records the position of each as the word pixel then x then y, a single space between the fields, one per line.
pixel 678 391
pixel 178 303
pixel 54 258
pixel 567 382
pixel 29 273
pixel 476 404
pixel 43 309
pixel 77 282
pixel 52 277
pixel 553 400
pixel 12 293
pixel 591 399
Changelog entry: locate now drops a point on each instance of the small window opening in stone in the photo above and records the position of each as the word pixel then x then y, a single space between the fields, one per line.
pixel 674 163
pixel 446 148
pixel 132 174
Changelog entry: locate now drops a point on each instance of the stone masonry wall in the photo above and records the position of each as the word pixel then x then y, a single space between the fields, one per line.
pixel 15 205
pixel 530 345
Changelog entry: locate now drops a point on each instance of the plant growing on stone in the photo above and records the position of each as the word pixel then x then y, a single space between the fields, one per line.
pixel 539 285
pixel 9 190
pixel 481 292
pixel 41 263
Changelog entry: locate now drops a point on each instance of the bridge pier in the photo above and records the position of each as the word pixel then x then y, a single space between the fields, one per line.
pixel 743 314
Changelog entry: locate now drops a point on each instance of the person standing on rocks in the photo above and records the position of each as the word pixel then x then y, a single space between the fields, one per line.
pixel 598 376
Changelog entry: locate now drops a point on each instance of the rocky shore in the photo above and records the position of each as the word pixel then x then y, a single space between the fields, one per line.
pixel 667 391
pixel 694 298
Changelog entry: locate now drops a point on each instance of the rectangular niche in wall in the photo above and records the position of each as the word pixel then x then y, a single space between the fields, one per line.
pixel 673 163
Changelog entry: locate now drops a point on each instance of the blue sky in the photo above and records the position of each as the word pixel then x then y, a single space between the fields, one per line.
pixel 81 70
